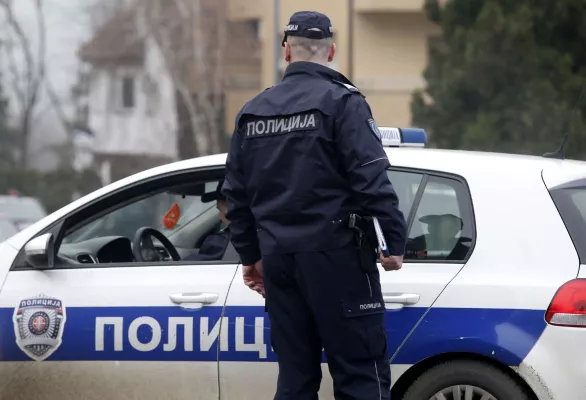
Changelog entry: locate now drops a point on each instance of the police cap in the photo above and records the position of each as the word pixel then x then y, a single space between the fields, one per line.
pixel 308 24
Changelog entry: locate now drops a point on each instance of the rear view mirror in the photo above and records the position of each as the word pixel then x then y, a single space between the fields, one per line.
pixel 40 251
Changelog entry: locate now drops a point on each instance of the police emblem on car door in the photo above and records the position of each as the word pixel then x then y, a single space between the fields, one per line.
pixel 38 325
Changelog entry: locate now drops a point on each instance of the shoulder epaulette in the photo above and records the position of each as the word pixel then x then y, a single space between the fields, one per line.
pixel 351 88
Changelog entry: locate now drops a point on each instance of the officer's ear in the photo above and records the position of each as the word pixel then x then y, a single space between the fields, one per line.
pixel 332 52
pixel 287 52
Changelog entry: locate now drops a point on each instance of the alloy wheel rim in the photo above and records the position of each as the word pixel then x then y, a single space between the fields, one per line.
pixel 463 392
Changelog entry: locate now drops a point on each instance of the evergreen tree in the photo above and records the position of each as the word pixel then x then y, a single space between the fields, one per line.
pixel 506 76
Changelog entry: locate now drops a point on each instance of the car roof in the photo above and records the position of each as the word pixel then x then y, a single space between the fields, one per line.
pixel 459 161
pixel 476 164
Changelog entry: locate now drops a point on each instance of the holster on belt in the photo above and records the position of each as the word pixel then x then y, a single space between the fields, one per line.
pixel 365 239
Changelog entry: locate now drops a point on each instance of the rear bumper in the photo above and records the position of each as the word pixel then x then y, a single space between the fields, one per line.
pixel 556 366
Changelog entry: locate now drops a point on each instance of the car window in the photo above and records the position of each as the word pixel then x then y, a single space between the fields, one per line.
pixel 179 213
pixel 406 185
pixel 442 228
pixel 149 211
pixel 7 229
pixel 570 200
pixel 579 199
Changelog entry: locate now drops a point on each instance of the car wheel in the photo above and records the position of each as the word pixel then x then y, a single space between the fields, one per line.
pixel 470 380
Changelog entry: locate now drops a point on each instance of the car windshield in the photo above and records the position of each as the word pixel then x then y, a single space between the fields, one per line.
pixel 149 211
pixel 21 208
pixel 7 229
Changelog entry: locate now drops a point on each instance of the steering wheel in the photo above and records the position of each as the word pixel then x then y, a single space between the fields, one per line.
pixel 143 248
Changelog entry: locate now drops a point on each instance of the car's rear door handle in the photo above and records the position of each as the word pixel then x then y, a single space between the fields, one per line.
pixel 401 298
pixel 194 298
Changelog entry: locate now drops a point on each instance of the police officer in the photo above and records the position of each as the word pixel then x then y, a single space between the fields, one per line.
pixel 305 157
pixel 214 246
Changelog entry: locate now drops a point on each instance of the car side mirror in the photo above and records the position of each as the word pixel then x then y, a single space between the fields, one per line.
pixel 40 251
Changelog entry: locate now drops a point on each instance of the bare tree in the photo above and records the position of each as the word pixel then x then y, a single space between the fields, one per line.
pixel 26 64
pixel 191 37
pixel 26 77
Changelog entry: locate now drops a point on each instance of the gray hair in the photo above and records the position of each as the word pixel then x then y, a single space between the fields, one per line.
pixel 304 49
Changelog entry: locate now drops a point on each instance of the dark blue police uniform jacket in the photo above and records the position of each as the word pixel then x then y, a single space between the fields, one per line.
pixel 305 154
pixel 212 248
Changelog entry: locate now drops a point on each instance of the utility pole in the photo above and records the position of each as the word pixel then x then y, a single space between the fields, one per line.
pixel 276 23
pixel 351 40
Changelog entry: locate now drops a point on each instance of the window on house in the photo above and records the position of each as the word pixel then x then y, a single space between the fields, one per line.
pixel 84 114
pixel 257 28
pixel 151 92
pixel 127 92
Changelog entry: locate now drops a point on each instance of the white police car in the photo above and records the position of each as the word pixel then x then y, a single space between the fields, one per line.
pixel 490 303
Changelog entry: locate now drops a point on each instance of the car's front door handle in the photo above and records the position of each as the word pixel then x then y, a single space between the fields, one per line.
pixel 401 298
pixel 194 298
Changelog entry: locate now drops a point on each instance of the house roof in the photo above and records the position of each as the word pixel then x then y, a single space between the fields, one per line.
pixel 117 40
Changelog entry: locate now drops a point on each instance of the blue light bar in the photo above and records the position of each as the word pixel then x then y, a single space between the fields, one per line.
pixel 403 137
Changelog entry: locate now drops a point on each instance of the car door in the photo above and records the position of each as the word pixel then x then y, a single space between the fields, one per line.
pixel 113 330
pixel 408 293
pixel 441 235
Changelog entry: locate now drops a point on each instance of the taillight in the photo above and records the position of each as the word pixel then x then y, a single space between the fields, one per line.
pixel 568 307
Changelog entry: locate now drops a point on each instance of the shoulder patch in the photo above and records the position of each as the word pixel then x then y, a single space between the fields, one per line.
pixel 350 88
pixel 374 129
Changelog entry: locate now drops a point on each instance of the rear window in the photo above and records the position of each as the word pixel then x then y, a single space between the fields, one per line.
pixel 570 200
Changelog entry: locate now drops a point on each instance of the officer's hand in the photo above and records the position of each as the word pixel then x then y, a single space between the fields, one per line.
pixel 391 263
pixel 252 275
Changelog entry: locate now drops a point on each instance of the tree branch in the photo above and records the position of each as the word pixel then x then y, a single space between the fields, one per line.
pixel 27 91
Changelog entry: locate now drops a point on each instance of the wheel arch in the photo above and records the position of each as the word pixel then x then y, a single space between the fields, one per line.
pixel 402 384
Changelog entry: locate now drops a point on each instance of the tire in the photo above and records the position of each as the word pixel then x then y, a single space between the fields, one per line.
pixel 472 373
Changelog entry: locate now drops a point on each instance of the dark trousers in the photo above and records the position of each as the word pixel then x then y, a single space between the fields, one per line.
pixel 323 300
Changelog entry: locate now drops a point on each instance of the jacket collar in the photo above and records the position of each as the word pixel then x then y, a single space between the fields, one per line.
pixel 304 69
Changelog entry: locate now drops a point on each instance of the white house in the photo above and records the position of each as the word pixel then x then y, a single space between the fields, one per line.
pixel 131 100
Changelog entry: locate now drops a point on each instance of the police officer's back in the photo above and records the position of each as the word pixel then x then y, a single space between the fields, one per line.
pixel 305 155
